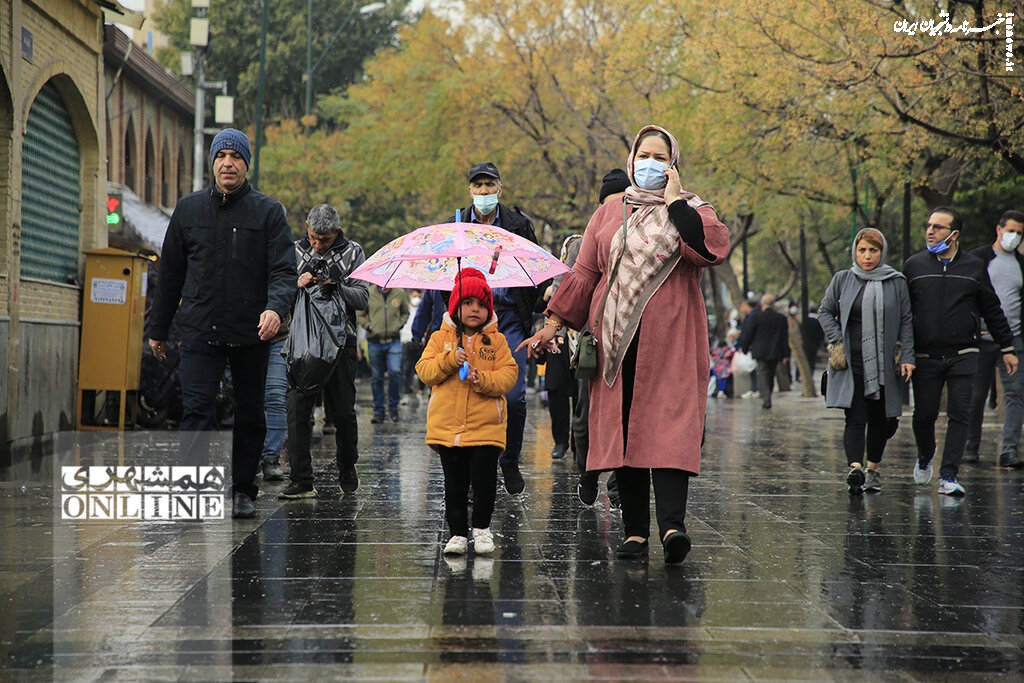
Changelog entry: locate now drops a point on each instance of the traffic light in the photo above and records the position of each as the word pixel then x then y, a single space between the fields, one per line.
pixel 115 204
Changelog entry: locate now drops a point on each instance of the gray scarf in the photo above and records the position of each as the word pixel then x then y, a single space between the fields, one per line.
pixel 872 314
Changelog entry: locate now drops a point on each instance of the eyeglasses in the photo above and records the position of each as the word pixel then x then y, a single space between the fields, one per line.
pixel 936 226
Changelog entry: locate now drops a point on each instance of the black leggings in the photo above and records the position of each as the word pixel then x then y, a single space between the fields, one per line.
pixel 866 413
pixel 464 466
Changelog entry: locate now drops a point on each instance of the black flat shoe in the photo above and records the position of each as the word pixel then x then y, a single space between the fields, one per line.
pixel 677 545
pixel 632 550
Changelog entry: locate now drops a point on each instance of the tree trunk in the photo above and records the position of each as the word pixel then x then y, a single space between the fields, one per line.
pixel 796 348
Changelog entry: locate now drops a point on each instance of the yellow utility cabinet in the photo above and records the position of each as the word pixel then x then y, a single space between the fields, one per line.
pixel 113 315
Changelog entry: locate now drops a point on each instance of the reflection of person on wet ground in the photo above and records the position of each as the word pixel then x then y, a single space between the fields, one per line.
pixel 652 338
pixel 470 368
pixel 865 314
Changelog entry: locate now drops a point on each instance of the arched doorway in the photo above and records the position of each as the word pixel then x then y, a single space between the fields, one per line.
pixel 51 191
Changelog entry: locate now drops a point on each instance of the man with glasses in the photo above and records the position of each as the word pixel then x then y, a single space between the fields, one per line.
pixel 950 292
pixel 1006 271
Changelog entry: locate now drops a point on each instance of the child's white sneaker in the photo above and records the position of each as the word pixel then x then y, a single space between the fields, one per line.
pixel 457 545
pixel 483 541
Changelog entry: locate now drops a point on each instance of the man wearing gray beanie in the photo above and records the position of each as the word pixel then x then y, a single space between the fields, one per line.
pixel 227 276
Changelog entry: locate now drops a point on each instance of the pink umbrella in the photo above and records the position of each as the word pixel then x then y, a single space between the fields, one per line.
pixel 430 257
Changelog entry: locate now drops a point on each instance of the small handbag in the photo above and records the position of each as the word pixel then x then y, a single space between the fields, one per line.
pixel 837 356
pixel 584 358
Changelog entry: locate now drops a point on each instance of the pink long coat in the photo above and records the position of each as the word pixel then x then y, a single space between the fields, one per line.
pixel 666 420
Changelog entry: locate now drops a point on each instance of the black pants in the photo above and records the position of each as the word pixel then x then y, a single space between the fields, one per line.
pixel 561 386
pixel 339 403
pixel 766 376
pixel 464 467
pixel 866 414
pixel 202 366
pixel 956 373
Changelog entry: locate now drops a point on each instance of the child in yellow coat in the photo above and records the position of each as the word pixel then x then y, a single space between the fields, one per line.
pixel 466 418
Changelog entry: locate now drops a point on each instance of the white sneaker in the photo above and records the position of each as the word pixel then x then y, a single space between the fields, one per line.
pixel 922 476
pixel 456 545
pixel 483 541
pixel 948 486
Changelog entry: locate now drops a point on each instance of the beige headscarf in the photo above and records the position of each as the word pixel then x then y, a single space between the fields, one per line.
pixel 651 244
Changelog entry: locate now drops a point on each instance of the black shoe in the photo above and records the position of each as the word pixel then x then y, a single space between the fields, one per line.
pixel 559 451
pixel 972 456
pixel 377 418
pixel 394 416
pixel 586 489
pixel 632 550
pixel 855 480
pixel 1010 461
pixel 348 479
pixel 295 491
pixel 677 545
pixel 272 472
pixel 514 483
pixel 243 506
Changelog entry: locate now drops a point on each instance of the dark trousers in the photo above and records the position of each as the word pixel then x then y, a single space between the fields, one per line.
pixel 766 376
pixel 581 425
pixel 956 373
pixel 868 415
pixel 989 359
pixel 464 467
pixel 561 386
pixel 202 366
pixel 671 488
pixel 339 403
pixel 509 325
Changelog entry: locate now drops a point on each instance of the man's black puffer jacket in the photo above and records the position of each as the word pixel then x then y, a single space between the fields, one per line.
pixel 949 300
pixel 227 258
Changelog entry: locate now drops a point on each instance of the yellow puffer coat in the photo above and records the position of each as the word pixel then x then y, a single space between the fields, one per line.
pixel 460 414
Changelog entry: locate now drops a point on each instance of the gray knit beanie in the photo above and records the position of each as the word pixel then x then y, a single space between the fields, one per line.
pixel 231 138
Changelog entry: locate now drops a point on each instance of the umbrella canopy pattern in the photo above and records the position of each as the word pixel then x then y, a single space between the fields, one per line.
pixel 430 257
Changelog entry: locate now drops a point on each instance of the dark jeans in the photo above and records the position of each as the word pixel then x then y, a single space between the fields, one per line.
pixel 766 375
pixel 869 414
pixel 464 467
pixel 509 325
pixel 385 359
pixel 671 488
pixel 411 352
pixel 340 401
pixel 989 358
pixel 956 373
pixel 202 366
pixel 561 386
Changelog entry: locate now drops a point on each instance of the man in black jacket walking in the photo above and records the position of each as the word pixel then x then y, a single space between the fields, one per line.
pixel 228 272
pixel 767 340
pixel 949 292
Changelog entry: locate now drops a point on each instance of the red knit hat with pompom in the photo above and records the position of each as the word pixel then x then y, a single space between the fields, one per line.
pixel 470 282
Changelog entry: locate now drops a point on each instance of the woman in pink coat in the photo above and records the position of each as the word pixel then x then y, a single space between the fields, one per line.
pixel 648 397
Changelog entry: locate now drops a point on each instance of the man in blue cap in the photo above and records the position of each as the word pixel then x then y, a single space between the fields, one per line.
pixel 227 270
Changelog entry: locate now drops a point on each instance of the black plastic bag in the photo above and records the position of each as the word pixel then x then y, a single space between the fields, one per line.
pixel 316 335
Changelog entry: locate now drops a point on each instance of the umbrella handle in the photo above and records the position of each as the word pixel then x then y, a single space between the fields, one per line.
pixel 464 370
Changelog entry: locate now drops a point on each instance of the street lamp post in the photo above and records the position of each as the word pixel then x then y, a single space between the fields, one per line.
pixel 365 10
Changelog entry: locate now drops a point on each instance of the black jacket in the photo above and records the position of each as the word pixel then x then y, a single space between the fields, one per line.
pixel 949 301
pixel 517 222
pixel 226 258
pixel 767 338
pixel 340 260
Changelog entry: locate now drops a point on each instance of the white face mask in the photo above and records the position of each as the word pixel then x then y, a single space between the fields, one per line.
pixel 415 301
pixel 1010 241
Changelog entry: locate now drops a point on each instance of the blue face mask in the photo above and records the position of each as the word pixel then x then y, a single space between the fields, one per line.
pixel 649 174
pixel 485 203
pixel 942 246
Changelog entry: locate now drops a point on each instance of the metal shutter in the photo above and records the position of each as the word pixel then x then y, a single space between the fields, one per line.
pixel 51 191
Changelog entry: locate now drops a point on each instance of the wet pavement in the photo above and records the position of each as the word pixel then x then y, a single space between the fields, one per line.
pixel 790 578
